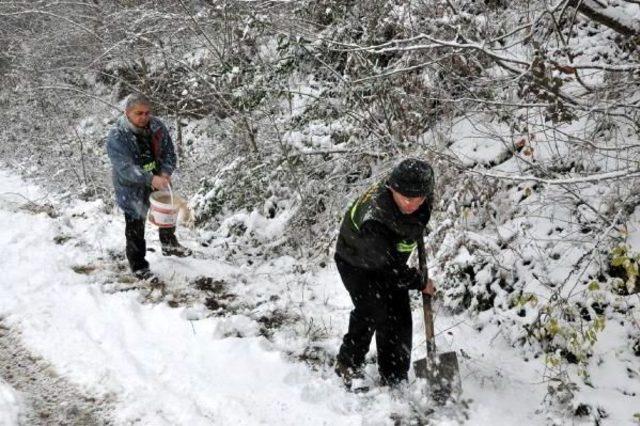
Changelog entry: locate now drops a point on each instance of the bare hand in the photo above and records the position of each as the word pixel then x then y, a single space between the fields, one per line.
pixel 430 288
pixel 166 175
pixel 160 182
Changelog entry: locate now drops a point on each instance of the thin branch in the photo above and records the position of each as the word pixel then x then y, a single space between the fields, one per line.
pixel 80 92
pixel 618 174
pixel 444 43
pixel 210 43
pixel 402 70
pixel 64 18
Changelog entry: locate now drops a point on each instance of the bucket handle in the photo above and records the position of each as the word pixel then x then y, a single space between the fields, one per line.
pixel 170 194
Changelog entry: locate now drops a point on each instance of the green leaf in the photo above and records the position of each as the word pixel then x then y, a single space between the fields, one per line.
pixel 552 360
pixel 617 261
pixel 593 286
pixel 619 251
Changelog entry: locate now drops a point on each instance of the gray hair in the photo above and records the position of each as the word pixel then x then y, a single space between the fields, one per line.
pixel 136 99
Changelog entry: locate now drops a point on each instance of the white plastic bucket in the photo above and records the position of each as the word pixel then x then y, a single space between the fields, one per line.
pixel 164 209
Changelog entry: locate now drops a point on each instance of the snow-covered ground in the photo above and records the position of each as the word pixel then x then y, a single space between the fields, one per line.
pixel 9 404
pixel 256 350
pixel 162 368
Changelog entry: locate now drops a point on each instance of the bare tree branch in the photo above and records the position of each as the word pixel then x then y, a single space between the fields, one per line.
pixel 606 16
pixel 64 18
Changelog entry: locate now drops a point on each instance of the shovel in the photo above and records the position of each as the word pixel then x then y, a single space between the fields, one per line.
pixel 442 370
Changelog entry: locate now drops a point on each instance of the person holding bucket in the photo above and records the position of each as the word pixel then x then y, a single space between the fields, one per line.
pixel 143 159
pixel 378 233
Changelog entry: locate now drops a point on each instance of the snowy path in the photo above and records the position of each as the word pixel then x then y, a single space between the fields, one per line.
pixel 161 368
pixel 50 399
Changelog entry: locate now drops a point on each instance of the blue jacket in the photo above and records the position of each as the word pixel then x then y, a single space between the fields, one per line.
pixel 131 183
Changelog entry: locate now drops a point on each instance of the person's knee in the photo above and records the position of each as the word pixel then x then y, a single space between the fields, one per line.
pixel 364 313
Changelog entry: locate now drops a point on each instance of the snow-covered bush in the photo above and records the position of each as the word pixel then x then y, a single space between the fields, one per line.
pixel 624 270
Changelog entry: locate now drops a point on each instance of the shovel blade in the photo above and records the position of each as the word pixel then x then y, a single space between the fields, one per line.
pixel 420 367
pixel 443 376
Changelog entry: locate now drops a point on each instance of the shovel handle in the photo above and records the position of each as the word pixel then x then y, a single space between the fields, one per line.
pixel 426 301
pixel 428 326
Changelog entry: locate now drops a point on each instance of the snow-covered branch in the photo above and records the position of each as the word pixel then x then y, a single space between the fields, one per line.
pixel 57 16
pixel 608 16
pixel 401 46
pixel 592 178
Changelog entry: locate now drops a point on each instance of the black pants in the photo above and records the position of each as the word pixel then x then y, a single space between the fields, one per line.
pixel 137 246
pixel 380 308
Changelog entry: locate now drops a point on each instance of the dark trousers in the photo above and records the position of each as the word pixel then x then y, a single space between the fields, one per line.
pixel 137 246
pixel 380 308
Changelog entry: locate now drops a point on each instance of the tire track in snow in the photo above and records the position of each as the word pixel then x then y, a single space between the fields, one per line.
pixel 48 398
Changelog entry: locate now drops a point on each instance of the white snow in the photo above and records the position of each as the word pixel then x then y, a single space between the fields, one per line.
pixel 9 404
pixel 164 369
pixel 472 143
pixel 170 366
pixel 633 238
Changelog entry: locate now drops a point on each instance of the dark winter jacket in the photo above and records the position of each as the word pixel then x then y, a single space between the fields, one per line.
pixel 132 183
pixel 376 236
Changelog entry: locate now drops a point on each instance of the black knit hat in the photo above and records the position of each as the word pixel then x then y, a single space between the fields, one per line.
pixel 412 178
